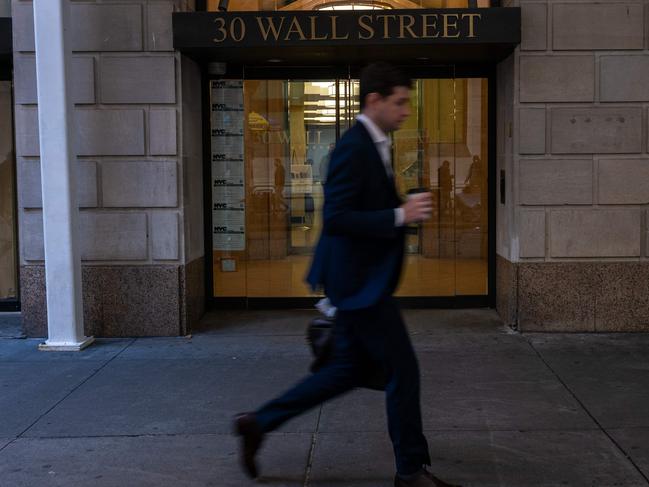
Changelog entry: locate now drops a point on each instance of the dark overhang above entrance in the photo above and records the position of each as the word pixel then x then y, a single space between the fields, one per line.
pixel 5 48
pixel 482 35
pixel 5 36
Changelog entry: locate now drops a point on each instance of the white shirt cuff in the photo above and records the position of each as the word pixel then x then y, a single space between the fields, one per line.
pixel 399 217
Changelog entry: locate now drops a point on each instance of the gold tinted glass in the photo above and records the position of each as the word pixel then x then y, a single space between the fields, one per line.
pixel 8 277
pixel 289 131
pixel 281 139
pixel 443 147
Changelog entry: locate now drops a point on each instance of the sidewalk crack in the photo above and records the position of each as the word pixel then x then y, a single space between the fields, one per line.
pixel 314 439
pixel 9 443
pixel 94 373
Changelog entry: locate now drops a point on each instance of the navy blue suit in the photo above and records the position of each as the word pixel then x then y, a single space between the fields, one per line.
pixel 359 256
pixel 358 262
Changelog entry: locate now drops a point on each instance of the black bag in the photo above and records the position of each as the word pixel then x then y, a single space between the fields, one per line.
pixel 319 336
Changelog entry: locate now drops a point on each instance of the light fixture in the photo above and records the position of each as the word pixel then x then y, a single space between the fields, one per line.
pixel 274 60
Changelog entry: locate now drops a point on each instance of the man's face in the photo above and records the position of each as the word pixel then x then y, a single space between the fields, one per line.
pixel 393 110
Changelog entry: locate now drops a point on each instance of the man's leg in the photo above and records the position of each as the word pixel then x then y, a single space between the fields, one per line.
pixel 333 379
pixel 386 338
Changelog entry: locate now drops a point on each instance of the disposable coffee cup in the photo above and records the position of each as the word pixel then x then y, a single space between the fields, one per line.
pixel 413 228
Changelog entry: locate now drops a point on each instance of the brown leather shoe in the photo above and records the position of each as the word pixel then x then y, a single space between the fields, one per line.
pixel 246 426
pixel 423 479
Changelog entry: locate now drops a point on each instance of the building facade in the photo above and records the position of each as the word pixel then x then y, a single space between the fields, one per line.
pixel 202 131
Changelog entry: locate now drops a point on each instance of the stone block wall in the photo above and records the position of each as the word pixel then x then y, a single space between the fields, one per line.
pixel 580 171
pixel 133 171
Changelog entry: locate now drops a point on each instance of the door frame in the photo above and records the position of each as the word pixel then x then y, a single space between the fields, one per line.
pixel 6 75
pixel 487 71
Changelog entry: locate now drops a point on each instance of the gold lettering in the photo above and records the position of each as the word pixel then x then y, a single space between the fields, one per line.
pixel 313 36
pixel 295 29
pixel 283 137
pixel 447 24
pixel 334 28
pixel 270 26
pixel 242 29
pixel 363 25
pixel 426 25
pixel 221 28
pixel 386 33
pixel 472 18
pixel 403 27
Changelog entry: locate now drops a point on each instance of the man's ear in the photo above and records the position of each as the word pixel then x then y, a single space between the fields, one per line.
pixel 372 98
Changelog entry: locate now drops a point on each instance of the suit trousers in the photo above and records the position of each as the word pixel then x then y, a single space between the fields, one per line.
pixel 363 339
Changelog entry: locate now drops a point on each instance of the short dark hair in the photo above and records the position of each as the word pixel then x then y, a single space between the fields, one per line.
pixel 381 78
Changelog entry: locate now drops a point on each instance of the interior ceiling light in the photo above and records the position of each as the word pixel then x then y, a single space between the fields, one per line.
pixel 274 60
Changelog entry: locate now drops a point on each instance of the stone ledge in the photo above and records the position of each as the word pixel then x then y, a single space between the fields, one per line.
pixel 574 296
pixel 119 301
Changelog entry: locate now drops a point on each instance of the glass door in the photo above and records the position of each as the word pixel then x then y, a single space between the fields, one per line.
pixel 273 186
pixel 271 143
pixel 8 274
pixel 443 146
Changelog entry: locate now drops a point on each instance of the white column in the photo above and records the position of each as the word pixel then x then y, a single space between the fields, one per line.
pixel 58 176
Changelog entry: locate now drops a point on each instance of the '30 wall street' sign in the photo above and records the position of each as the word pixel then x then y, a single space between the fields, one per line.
pixel 303 28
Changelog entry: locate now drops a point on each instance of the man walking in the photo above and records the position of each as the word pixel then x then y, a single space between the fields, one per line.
pixel 358 261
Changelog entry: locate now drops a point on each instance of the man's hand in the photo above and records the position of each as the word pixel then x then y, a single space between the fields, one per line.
pixel 419 207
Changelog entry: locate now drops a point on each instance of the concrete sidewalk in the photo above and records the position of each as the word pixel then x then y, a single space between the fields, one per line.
pixel 500 409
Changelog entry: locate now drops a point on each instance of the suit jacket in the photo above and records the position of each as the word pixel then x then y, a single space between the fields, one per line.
pixel 359 256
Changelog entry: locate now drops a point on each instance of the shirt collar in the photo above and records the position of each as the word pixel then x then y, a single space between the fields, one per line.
pixel 378 136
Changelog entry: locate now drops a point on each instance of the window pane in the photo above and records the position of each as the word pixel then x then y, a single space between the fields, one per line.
pixel 288 129
pixel 285 132
pixel 8 278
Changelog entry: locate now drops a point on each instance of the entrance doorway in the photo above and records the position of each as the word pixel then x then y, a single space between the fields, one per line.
pixel 8 234
pixel 270 144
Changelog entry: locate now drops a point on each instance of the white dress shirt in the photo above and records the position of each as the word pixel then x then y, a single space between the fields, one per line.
pixel 383 146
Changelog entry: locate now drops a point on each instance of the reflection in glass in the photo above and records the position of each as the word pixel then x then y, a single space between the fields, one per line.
pixel 289 133
pixel 288 130
pixel 8 277
pixel 443 146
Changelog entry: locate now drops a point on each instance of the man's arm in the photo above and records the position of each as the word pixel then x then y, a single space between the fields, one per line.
pixel 342 190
